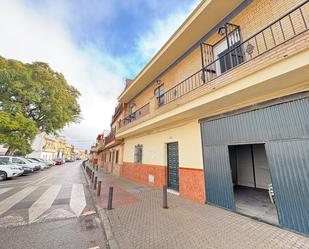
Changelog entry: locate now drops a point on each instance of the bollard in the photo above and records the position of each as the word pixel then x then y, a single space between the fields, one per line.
pixel 99 188
pixel 95 183
pixel 165 196
pixel 110 198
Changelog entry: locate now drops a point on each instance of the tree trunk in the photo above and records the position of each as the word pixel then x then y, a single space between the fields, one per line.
pixel 9 151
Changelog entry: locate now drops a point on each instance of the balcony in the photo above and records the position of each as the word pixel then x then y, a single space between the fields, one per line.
pixel 290 25
pixel 110 137
pixel 138 114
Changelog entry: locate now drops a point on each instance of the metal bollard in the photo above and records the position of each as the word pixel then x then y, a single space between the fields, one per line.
pixel 165 196
pixel 95 183
pixel 99 188
pixel 110 198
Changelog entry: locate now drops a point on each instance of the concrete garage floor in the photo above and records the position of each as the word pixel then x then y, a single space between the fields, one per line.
pixel 256 203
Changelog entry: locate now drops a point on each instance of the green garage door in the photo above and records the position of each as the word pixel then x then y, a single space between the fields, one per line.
pixel 284 129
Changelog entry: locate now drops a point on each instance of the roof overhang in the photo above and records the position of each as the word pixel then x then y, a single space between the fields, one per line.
pixel 202 20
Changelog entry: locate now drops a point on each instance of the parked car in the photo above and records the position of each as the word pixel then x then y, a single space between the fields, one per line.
pixel 9 171
pixel 7 161
pixel 59 161
pixel 20 161
pixel 40 160
pixel 42 165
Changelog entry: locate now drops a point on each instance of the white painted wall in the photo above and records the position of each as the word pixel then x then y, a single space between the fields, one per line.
pixel 188 137
pixel 244 166
pixel 262 172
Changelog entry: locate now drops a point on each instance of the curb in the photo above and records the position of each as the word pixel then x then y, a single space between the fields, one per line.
pixel 111 241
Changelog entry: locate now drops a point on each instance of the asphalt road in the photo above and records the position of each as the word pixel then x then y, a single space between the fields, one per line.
pixel 49 209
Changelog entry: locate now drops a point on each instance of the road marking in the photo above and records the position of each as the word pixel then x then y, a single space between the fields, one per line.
pixel 78 200
pixel 9 202
pixel 96 247
pixel 43 203
pixel 3 190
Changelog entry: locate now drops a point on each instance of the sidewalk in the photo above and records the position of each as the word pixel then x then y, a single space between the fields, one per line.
pixel 139 221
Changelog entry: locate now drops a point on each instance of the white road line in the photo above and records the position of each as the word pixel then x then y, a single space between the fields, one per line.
pixel 9 202
pixel 3 190
pixel 43 203
pixel 78 200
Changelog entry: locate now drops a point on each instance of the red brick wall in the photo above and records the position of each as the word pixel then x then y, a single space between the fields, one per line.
pixel 191 184
pixel 191 181
pixel 139 173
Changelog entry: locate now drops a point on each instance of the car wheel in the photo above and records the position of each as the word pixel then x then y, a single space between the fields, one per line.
pixel 3 175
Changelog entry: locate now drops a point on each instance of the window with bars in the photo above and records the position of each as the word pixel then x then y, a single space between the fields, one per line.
pixel 138 153
pixel 159 93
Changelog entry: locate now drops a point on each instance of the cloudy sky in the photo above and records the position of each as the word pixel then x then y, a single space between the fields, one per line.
pixel 96 44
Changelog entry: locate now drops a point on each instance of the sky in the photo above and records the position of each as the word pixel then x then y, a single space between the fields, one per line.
pixel 96 44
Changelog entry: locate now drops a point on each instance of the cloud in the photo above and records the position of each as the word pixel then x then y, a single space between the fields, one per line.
pixel 162 29
pixel 56 32
pixel 28 35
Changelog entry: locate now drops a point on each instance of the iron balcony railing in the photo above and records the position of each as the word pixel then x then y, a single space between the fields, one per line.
pixel 278 32
pixel 141 112
pixel 111 136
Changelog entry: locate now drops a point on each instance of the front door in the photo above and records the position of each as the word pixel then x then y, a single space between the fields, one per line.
pixel 173 166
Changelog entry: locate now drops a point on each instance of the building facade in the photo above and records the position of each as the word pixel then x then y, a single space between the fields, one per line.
pixel 51 147
pixel 112 154
pixel 220 113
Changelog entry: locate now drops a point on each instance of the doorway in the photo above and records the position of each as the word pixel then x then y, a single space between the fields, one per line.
pixel 173 166
pixel 252 182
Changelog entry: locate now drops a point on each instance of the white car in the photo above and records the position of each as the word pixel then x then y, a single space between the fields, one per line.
pixel 20 161
pixel 40 160
pixel 34 162
pixel 9 171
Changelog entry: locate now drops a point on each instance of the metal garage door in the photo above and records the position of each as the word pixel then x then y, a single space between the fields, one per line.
pixel 284 129
pixel 173 166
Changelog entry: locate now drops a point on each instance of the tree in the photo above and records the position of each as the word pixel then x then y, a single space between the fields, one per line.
pixel 34 94
pixel 17 132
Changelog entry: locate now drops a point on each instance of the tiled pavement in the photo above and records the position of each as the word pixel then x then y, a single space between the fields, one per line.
pixel 139 221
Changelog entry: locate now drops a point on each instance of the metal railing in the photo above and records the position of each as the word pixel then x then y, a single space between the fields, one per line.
pixel 141 112
pixel 278 32
pixel 111 136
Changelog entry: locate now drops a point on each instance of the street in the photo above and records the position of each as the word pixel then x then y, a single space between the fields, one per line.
pixel 49 209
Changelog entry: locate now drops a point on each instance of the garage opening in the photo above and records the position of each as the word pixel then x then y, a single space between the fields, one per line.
pixel 252 184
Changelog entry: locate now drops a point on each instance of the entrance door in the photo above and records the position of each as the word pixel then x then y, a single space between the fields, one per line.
pixel 173 166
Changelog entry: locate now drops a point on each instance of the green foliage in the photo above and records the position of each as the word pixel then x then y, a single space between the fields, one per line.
pixel 34 94
pixel 17 131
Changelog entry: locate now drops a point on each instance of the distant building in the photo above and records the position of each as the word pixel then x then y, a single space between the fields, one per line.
pixel 50 147
pixel 2 150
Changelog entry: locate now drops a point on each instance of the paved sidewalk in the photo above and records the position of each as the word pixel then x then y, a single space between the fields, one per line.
pixel 139 221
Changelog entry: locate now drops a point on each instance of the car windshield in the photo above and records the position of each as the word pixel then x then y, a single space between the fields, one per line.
pixel 34 159
pixel 31 161
pixel 4 160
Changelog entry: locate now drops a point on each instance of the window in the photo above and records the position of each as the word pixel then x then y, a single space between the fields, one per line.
pixel 18 161
pixel 110 156
pixel 159 93
pixel 138 153
pixel 4 160
pixel 228 53
pixel 117 155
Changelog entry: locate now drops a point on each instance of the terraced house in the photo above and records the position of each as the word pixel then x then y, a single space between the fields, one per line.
pixel 110 158
pixel 221 113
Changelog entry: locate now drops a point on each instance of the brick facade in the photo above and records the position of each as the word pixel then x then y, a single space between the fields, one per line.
pixel 140 173
pixel 192 184
pixel 191 181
